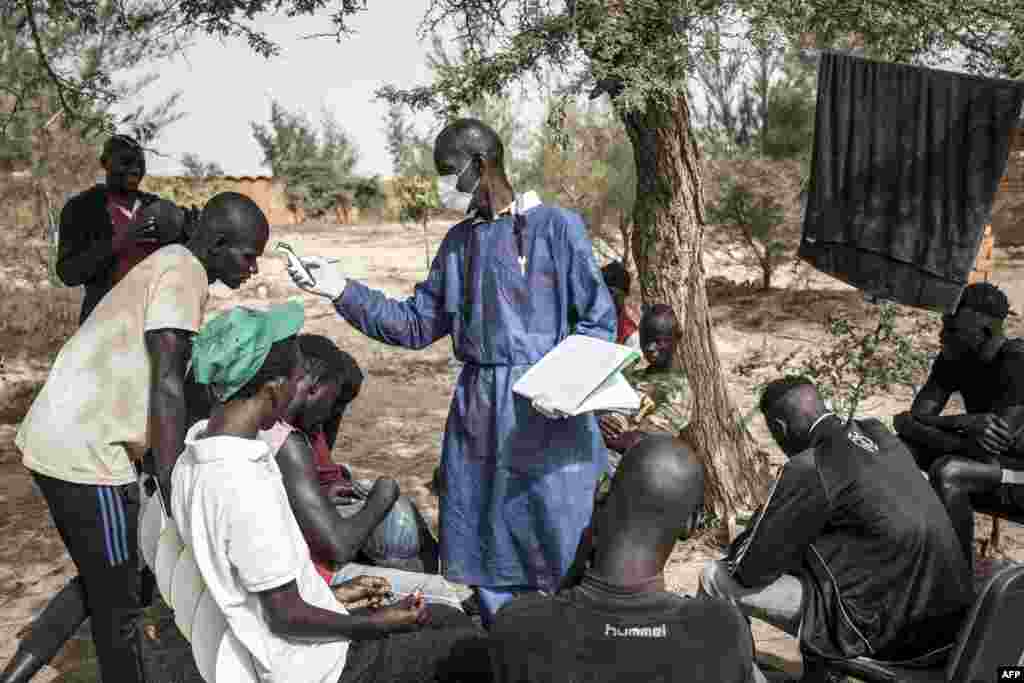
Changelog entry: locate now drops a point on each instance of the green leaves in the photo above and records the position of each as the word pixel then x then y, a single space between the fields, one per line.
pixel 316 165
pixel 860 363
pixel 649 46
pixel 417 198
pixel 753 222
pixel 196 167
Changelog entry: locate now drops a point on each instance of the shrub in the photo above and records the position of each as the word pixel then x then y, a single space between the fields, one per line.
pixel 858 362
pixel 754 224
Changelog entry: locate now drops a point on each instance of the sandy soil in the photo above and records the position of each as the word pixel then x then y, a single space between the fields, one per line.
pixel 395 427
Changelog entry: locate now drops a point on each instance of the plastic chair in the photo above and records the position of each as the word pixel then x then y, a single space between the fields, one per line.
pixel 220 657
pixel 989 638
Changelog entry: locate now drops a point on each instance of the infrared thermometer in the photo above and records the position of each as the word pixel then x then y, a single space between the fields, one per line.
pixel 294 261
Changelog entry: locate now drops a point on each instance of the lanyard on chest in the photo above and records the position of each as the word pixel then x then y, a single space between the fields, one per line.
pixel 518 230
pixel 518 227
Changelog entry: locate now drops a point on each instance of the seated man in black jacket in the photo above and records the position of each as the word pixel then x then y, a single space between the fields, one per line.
pixel 965 454
pixel 620 623
pixel 111 227
pixel 853 550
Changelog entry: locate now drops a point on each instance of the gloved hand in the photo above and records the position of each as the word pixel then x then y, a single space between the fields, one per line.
pixel 328 280
pixel 543 406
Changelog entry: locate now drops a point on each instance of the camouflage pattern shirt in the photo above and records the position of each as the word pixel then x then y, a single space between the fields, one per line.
pixel 665 401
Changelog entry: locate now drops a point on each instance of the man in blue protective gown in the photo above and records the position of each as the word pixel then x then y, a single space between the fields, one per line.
pixel 507 284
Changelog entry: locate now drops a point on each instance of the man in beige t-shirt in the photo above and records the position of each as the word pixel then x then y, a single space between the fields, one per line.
pixel 116 390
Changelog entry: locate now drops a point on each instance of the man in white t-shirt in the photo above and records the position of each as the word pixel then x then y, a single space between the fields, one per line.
pixel 114 391
pixel 233 512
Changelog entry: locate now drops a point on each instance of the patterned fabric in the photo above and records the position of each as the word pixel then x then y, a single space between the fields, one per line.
pixel 665 401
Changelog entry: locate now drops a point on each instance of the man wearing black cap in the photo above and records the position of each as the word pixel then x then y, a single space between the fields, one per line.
pixel 111 227
pixel 966 453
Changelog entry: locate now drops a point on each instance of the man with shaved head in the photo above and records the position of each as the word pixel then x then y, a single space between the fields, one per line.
pixel 115 391
pixel 108 229
pixel 621 623
pixel 507 285
pixel 852 552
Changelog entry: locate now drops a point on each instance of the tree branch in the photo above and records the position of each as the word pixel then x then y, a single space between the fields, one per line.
pixel 37 41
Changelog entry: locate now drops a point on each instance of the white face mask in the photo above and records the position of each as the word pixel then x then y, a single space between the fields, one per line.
pixel 451 197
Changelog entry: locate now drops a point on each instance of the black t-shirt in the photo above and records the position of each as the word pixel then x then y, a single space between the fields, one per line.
pixel 600 633
pixel 986 387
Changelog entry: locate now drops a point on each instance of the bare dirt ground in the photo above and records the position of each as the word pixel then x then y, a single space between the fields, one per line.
pixel 395 427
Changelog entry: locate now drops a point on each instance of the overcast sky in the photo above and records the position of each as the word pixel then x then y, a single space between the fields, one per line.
pixel 225 85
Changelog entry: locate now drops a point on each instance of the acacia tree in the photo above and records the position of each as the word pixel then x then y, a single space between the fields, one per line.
pixel 588 164
pixel 197 167
pixel 316 165
pixel 638 52
pixel 65 62
pixel 753 222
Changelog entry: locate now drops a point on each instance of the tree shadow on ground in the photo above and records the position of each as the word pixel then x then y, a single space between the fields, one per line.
pixel 751 310
pixel 409 368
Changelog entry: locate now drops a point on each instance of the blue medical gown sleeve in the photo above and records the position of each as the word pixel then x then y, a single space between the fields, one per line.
pixel 588 295
pixel 415 323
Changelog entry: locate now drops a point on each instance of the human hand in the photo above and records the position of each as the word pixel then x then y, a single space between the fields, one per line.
pixel 373 588
pixel 409 613
pixel 990 433
pixel 901 422
pixel 338 491
pixel 141 231
pixel 627 441
pixel 328 280
pixel 542 405
pixel 612 426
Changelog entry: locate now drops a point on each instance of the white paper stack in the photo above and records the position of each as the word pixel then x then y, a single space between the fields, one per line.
pixel 581 375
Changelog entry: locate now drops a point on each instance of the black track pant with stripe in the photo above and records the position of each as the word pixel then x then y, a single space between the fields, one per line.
pixel 99 526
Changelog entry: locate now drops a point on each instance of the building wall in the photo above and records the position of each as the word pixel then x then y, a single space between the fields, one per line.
pixel 269 194
pixel 1008 208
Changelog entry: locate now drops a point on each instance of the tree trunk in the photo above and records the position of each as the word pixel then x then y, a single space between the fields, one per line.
pixel 426 244
pixel 626 231
pixel 668 240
